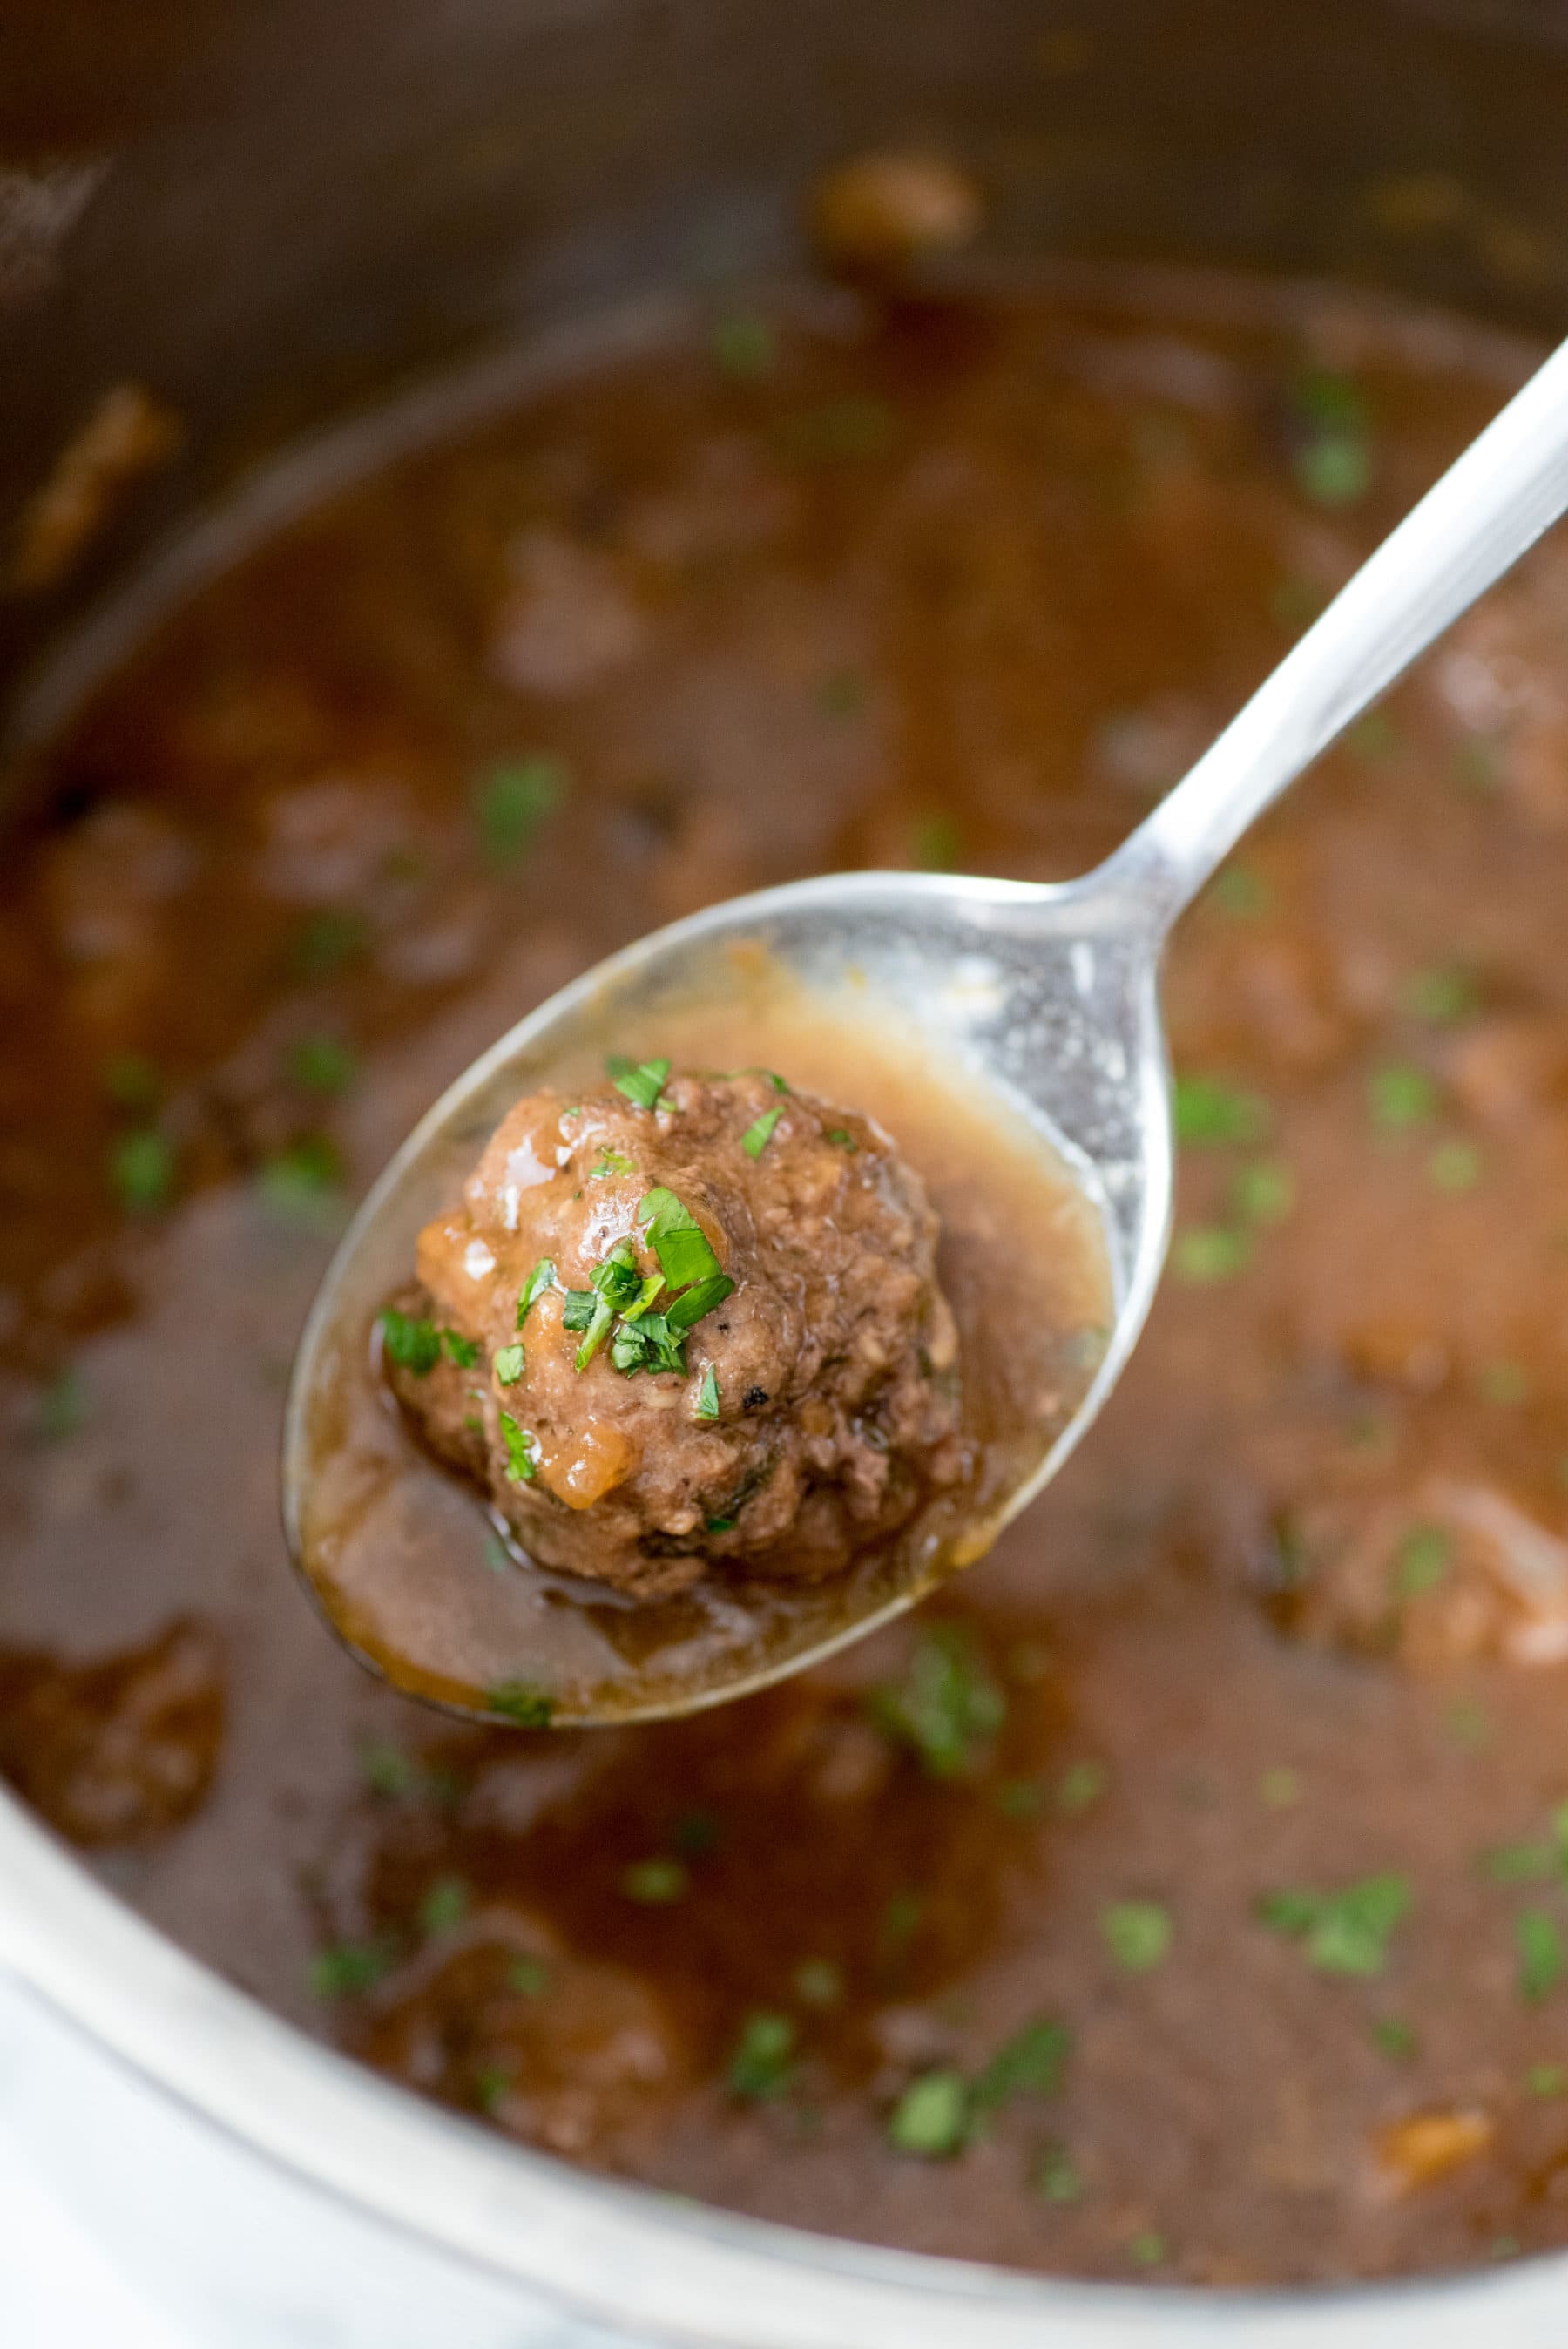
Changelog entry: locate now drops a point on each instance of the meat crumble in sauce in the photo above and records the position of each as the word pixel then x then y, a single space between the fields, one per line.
pixel 650 1403
pixel 1181 1895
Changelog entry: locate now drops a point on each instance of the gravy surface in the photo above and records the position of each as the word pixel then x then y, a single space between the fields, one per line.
pixel 1182 1893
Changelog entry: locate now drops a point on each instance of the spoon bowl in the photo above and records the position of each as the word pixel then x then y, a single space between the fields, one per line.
pixel 1039 1002
pixel 1040 1008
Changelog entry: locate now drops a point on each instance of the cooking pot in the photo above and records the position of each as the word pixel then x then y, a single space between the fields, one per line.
pixel 275 214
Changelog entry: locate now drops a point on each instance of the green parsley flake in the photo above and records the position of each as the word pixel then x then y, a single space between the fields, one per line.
pixel 521 1702
pixel 510 1364
pixel 819 1982
pixel 349 1968
pixel 707 1403
pixel 1422 1560
pixel 1455 1166
pixel 1080 1786
pixel 1058 2177
pixel 1263 1193
pixel 444 1907
pixel 1030 2063
pixel 758 1135
pixel 763 2059
pixel 303 1184
pixel 932 2117
pixel 946 1707
pixel 1020 1798
pixel 542 1278
pixel 511 800
pixel 1396 2040
pixel 682 1246
pixel 467 1352
pixel 1520 1863
pixel 322 1064
pixel 1206 1254
pixel 655 1883
pixel 410 1342
pixel 593 1316
pixel 744 345
pixel 141 1168
pixel 1345 1932
pixel 1149 2250
pixel 1138 1934
pixel 530 1977
pixel 328 941
pixel 1542 1960
pixel 1238 891
pixel 842 1139
pixel 641 1082
pixel 1375 736
pixel 387 1769
pixel 63 1406
pixel 698 1300
pixel 522 1450
pixel 132 1081
pixel 1445 995
pixel 1505 1382
pixel 610 1163
pixel 1400 1096
pixel 1547 2080
pixel 937 843
pixel 1333 463
pixel 1211 1116
pixel 649 1343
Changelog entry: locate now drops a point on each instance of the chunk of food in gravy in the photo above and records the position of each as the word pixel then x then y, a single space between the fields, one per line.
pixel 1178 1896
pixel 683 1320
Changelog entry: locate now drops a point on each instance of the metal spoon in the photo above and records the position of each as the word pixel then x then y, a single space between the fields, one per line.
pixel 1049 994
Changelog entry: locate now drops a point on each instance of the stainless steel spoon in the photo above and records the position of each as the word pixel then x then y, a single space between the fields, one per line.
pixel 1049 994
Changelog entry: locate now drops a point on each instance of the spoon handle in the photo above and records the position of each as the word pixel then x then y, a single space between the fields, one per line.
pixel 1510 485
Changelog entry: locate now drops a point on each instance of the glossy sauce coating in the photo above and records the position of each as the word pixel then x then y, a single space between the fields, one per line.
pixel 1182 1895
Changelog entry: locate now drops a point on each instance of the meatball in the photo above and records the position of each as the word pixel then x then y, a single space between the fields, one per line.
pixel 686 1323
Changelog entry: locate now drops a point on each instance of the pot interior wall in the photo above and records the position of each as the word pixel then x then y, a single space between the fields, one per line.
pixel 267 215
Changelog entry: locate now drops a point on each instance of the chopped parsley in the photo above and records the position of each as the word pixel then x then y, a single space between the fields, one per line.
pixel 542 1278
pixel 649 1342
pixel 303 1184
pixel 707 1403
pixel 523 1702
pixel 63 1406
pixel 1333 461
pixel 467 1352
pixel 530 1977
pixel 1455 1166
pixel 132 1081
pixel 942 2112
pixel 1422 1560
pixel 141 1168
pixel 522 1450
pixel 1444 995
pixel 328 941
pixel 819 1982
pixel 609 1162
pixel 743 345
pixel 655 1883
pixel 1504 1382
pixel 511 801
pixel 932 2117
pixel 1206 1253
pixel 1400 1096
pixel 699 1300
pixel 510 1364
pixel 759 1133
pixel 1138 1934
pixel 1148 2249
pixel 349 1968
pixel 842 1139
pixel 385 1768
pixel 1263 1193
pixel 444 1907
pixel 1080 1786
pixel 937 843
pixel 1211 1116
pixel 1237 890
pixel 412 1344
pixel 946 1707
pixel 720 1524
pixel 1547 2080
pixel 1058 2177
pixel 1345 1932
pixel 1396 2040
pixel 591 1316
pixel 641 1082
pixel 683 1249
pixel 764 2057
pixel 1030 2063
pixel 322 1064
pixel 1542 1960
